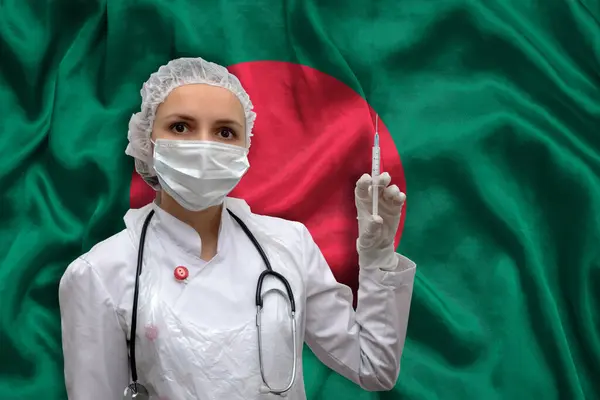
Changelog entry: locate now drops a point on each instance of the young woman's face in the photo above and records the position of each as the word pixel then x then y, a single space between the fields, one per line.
pixel 201 112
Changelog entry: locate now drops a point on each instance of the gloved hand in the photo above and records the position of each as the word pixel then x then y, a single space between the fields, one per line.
pixel 375 244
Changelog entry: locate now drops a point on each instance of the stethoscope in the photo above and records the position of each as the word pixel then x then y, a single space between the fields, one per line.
pixel 136 390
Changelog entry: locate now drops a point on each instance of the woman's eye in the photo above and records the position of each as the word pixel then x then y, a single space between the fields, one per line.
pixel 179 127
pixel 227 133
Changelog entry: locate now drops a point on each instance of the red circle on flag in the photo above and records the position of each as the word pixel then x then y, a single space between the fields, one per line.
pixel 312 141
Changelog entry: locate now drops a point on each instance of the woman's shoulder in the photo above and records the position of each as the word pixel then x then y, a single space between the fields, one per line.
pixel 109 264
pixel 113 257
pixel 272 225
pixel 280 227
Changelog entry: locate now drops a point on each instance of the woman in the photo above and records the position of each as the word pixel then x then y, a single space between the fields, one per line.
pixel 197 323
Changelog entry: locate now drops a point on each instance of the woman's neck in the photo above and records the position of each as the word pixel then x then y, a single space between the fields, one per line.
pixel 205 222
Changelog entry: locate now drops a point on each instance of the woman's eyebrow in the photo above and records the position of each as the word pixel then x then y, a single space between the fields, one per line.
pixel 181 116
pixel 226 121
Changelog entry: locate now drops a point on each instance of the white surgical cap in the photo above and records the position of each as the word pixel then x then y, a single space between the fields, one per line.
pixel 178 72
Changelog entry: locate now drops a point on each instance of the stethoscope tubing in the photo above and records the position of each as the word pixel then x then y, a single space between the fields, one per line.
pixel 258 299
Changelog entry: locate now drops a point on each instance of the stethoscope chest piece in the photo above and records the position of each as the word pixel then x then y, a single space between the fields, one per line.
pixel 136 391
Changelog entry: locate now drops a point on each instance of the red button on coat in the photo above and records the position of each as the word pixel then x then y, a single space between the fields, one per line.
pixel 181 273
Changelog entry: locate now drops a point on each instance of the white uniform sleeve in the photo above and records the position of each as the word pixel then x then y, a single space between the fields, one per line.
pixel 94 344
pixel 364 346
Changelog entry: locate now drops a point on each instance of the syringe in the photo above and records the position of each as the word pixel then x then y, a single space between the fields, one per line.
pixel 375 168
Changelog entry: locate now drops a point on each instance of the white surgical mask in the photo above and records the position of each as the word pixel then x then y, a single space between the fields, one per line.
pixel 199 174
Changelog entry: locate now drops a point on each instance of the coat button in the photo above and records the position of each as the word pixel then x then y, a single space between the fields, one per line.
pixel 181 273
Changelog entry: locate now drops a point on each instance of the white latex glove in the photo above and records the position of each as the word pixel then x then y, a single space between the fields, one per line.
pixel 375 244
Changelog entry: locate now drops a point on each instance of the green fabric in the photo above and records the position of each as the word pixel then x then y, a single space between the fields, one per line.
pixel 495 110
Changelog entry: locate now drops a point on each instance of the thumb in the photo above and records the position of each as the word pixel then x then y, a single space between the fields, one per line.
pixel 371 231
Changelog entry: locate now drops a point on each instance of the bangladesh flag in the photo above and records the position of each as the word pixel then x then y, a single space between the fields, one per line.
pixel 490 122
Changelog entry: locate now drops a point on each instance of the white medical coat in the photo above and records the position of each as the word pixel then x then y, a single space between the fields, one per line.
pixel 198 340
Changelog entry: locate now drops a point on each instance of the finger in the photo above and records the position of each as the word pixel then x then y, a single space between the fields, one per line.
pixel 384 180
pixel 362 186
pixel 394 195
pixel 375 223
pixel 380 189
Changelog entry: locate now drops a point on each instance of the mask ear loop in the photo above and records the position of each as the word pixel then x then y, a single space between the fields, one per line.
pixel 248 132
pixel 151 166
